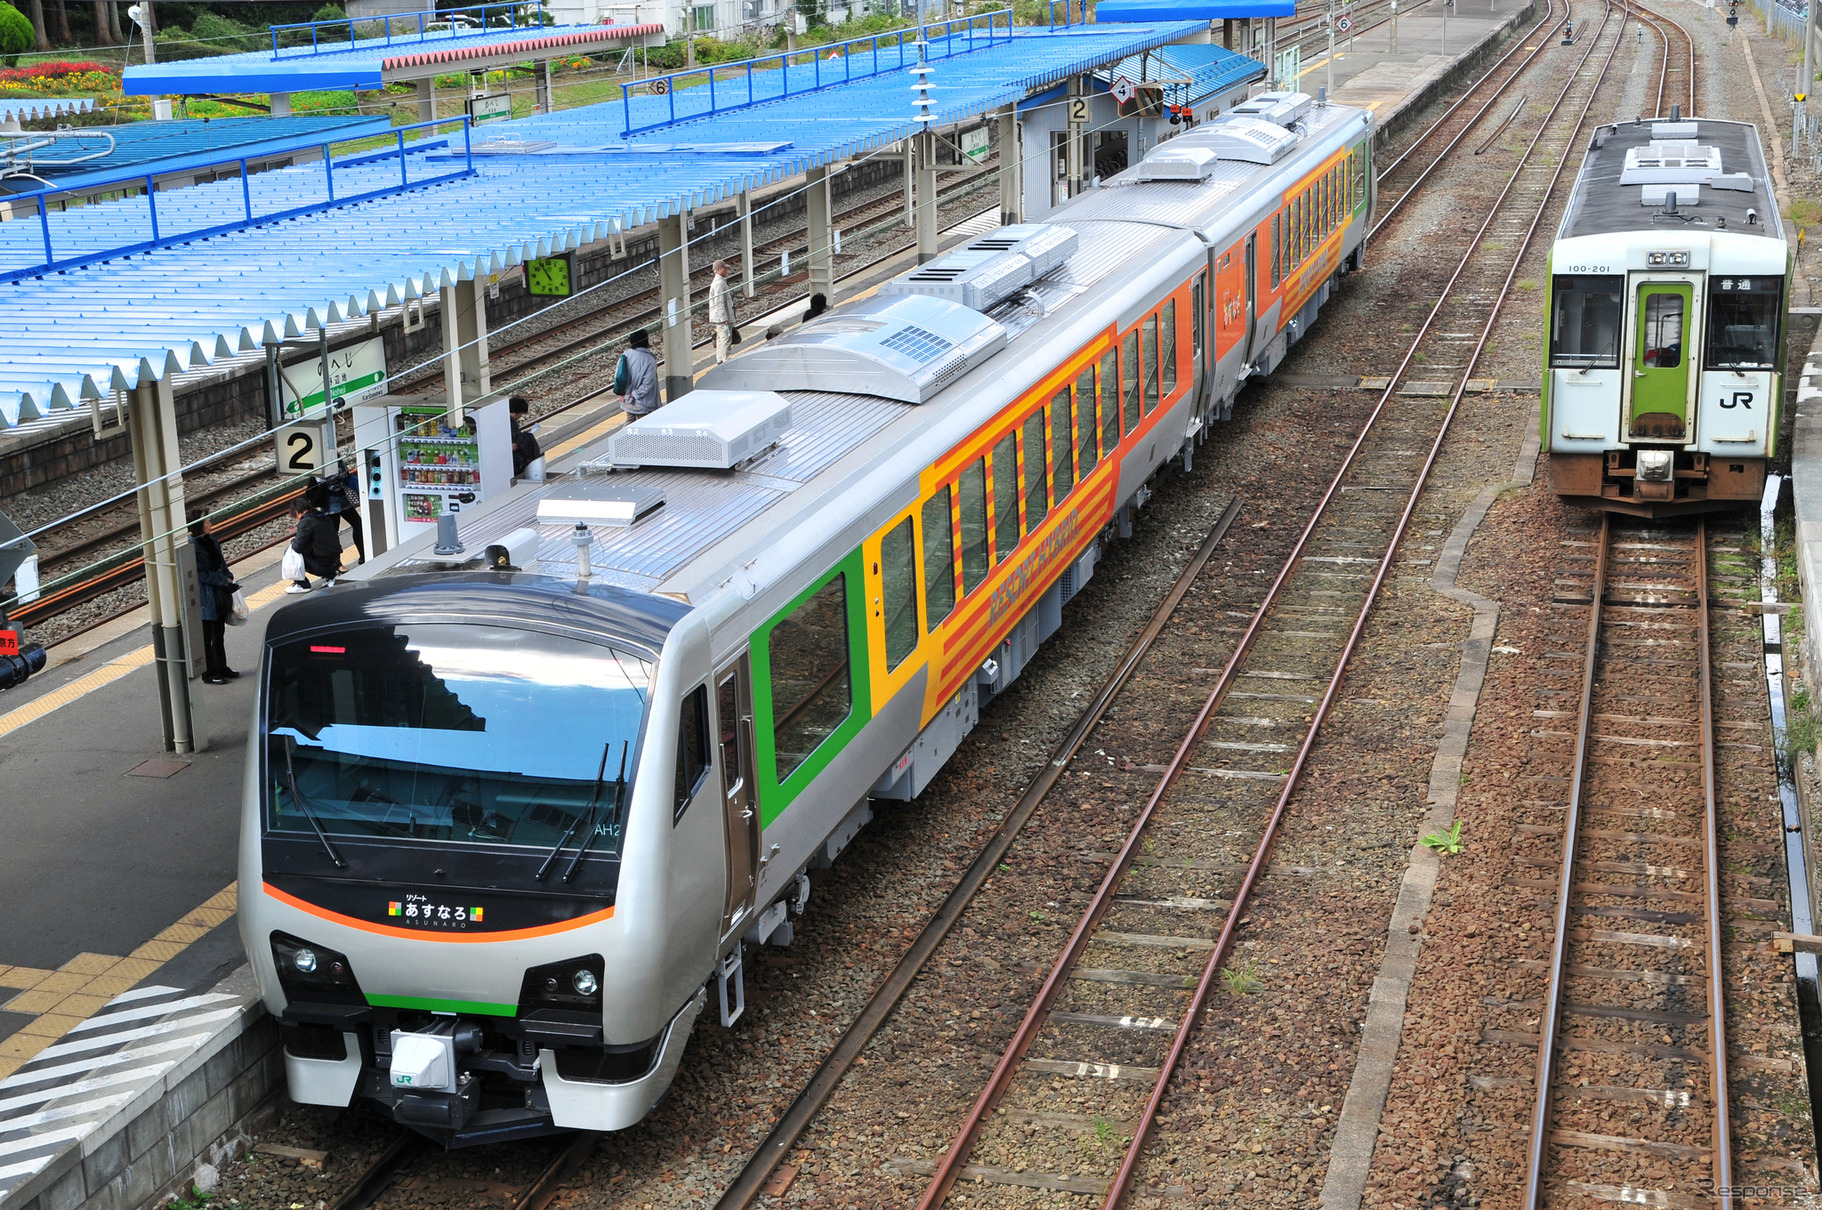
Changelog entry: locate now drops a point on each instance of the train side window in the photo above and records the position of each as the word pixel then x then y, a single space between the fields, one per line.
pixel 973 489
pixel 692 748
pixel 1062 464
pixel 1109 392
pixel 898 592
pixel 1129 378
pixel 812 683
pixel 1277 251
pixel 1167 347
pixel 1198 310
pixel 1585 321
pixel 1005 497
pixel 1037 501
pixel 939 559
pixel 1084 419
pixel 1151 362
pixel 727 718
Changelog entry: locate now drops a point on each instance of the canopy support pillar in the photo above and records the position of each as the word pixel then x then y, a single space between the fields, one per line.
pixel 822 234
pixel 153 411
pixel 674 303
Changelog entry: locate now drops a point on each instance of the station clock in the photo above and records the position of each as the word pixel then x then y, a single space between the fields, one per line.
pixel 551 276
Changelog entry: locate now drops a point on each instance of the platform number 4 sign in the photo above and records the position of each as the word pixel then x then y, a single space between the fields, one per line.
pixel 302 449
pixel 1124 90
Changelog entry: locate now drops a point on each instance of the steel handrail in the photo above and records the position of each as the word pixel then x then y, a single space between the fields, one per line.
pixel 148 181
pixel 418 33
pixel 903 41
pixel 12 153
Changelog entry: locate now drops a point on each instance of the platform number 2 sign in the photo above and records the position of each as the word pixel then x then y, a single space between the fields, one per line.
pixel 301 449
pixel 1078 111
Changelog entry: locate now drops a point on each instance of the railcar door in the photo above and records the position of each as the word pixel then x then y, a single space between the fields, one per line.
pixel 1660 361
pixel 734 731
pixel 1252 295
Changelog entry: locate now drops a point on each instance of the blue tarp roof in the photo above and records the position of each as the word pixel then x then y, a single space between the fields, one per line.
pixel 1211 70
pixel 360 64
pixel 85 332
pixel 1191 10
pixel 164 147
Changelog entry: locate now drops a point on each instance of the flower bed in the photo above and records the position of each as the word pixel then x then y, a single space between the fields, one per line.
pixel 59 79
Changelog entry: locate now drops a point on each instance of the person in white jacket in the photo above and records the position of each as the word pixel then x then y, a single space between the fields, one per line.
pixel 721 311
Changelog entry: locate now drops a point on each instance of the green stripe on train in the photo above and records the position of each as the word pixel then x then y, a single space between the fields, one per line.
pixel 774 794
pixel 477 1007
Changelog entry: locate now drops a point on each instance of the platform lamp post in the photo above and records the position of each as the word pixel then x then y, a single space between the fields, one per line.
pixel 1331 58
pixel 1393 49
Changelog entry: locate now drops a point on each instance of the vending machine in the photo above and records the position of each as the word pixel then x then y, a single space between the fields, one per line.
pixel 416 463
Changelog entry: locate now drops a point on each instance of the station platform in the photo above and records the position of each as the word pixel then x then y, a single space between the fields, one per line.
pixel 121 865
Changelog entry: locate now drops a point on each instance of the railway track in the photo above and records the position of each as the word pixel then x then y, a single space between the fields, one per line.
pixel 1677 70
pixel 1633 1022
pixel 1118 1008
pixel 399 1176
pixel 1153 911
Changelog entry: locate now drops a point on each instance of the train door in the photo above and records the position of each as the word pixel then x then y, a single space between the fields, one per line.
pixel 1252 295
pixel 1660 361
pixel 734 729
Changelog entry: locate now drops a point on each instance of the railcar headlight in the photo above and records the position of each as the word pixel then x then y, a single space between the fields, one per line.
pixel 573 984
pixel 312 972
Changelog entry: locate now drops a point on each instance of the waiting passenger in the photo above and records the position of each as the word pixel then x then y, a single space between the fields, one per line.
pixel 525 447
pixel 218 589
pixel 636 377
pixel 721 312
pixel 342 488
pixel 317 540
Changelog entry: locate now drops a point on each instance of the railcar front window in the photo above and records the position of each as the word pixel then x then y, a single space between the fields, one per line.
pixel 463 734
pixel 1743 323
pixel 1664 330
pixel 1585 322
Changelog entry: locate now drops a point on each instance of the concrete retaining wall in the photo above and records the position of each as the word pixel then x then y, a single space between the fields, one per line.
pixel 203 1110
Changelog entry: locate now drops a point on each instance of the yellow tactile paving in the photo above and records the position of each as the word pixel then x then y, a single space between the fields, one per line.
pixel 23 977
pixel 34 1002
pixel 50 1025
pixel 133 969
pixel 63 982
pixel 160 952
pixel 83 1004
pixel 22 1046
pixel 592 433
pixel 82 686
pixel 89 964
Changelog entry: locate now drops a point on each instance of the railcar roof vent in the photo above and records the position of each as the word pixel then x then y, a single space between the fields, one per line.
pixel 1249 140
pixel 1670 163
pixel 991 268
pixel 1674 131
pixel 1280 108
pixel 1170 163
pixel 597 502
pixel 710 430
pixel 904 346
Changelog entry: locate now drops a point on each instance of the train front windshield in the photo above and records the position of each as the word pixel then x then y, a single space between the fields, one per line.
pixel 1743 322
pixel 456 734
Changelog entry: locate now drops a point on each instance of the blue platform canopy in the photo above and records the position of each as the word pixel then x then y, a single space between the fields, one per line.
pixel 1194 10
pixel 540 186
pixel 163 148
pixel 1188 73
pixel 373 62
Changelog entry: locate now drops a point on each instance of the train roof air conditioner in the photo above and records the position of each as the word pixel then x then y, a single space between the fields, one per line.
pixel 990 269
pixel 1170 163
pixel 710 430
pixel 901 346
pixel 1279 108
pixel 1671 163
pixel 1236 137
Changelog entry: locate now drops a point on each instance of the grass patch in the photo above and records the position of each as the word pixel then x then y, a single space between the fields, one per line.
pixel 1445 842
pixel 1241 980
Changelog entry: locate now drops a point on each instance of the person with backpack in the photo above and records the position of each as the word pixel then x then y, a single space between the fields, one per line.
pixel 343 497
pixel 636 377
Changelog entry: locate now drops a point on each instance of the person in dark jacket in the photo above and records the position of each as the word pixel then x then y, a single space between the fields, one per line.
pixel 343 488
pixel 317 540
pixel 525 447
pixel 218 588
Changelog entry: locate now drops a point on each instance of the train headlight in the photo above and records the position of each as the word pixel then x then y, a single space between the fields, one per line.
pixel 314 973
pixel 574 984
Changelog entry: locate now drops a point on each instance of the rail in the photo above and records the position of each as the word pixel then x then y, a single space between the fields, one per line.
pixel 208 209
pixel 1604 661
pixel 454 21
pixel 768 78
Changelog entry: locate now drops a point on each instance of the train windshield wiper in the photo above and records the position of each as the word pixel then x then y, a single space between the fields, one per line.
pixel 589 813
pixel 298 800
pixel 588 837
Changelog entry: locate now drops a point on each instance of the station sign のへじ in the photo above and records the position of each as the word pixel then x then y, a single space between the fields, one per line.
pixel 357 373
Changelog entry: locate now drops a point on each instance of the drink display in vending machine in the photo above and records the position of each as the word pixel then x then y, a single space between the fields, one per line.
pixel 435 462
pixel 419 462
